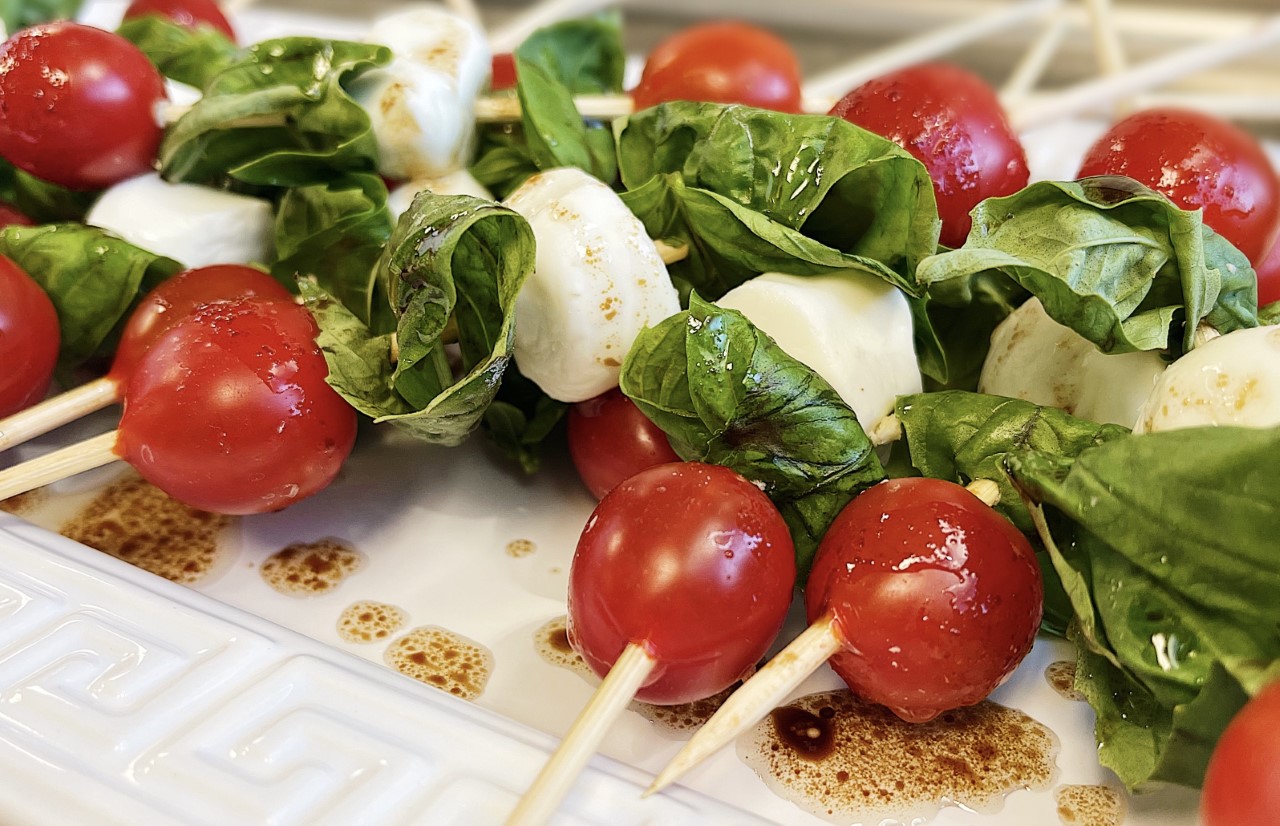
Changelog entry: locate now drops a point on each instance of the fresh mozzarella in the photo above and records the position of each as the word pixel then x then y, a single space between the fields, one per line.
pixel 852 329
pixel 460 182
pixel 421 103
pixel 1232 380
pixel 1035 358
pixel 192 224
pixel 597 282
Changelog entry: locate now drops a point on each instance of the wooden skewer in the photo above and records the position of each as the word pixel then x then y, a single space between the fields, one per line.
pixel 1031 67
pixel 58 410
pixel 769 686
pixel 619 687
pixel 1106 90
pixel 1107 46
pixel 840 80
pixel 60 464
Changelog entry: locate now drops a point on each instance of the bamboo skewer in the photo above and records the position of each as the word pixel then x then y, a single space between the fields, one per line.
pixel 611 698
pixel 1027 73
pixel 58 410
pixel 58 465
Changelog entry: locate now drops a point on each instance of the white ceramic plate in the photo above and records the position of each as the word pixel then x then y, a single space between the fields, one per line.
pixel 126 698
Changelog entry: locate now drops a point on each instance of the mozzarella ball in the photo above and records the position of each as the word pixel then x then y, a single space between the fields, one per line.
pixel 1232 380
pixel 195 225
pixel 460 182
pixel 421 104
pixel 597 282
pixel 853 329
pixel 1036 359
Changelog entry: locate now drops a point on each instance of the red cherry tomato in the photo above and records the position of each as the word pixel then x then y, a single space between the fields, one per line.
pixel 187 13
pixel 952 122
pixel 503 72
pixel 178 297
pixel 78 105
pixel 229 410
pixel 610 439
pixel 936 596
pixel 29 339
pixel 10 217
pixel 1199 162
pixel 722 63
pixel 1241 785
pixel 1268 270
pixel 691 561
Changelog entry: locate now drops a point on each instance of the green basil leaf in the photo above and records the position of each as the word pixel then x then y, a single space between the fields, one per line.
pixel 93 278
pixel 1165 545
pixel 1269 314
pixel 585 55
pixel 1113 260
pixel 41 201
pixel 726 394
pixel 830 181
pixel 521 419
pixel 555 133
pixel 953 338
pixel 961 437
pixel 279 117
pixel 18 14
pixel 336 232
pixel 503 161
pixel 190 56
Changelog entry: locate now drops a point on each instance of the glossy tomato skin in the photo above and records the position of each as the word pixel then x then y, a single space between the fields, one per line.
pixel 953 123
pixel 177 297
pixel 610 440
pixel 229 410
pixel 1268 270
pixel 503 71
pixel 723 62
pixel 936 596
pixel 1198 161
pixel 1242 783
pixel 29 339
pixel 694 563
pixel 187 13
pixel 78 105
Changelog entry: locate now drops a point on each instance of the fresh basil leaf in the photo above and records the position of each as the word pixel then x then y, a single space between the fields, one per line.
pixel 503 161
pixel 961 437
pixel 190 56
pixel 555 133
pixel 1165 543
pixel 585 55
pixel 1269 314
pixel 41 201
pixel 18 14
pixel 953 338
pixel 279 117
pixel 449 257
pixel 1113 260
pixel 335 231
pixel 832 182
pixel 93 278
pixel 521 419
pixel 726 394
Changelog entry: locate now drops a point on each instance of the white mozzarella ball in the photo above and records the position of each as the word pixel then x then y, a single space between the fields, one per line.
pixel 192 224
pixel 1036 359
pixel 853 329
pixel 1232 380
pixel 459 182
pixel 421 104
pixel 598 282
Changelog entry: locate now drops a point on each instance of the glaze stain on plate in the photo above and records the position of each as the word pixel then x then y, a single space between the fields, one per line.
pixel 23 502
pixel 1089 805
pixel 518 548
pixel 552 643
pixel 135 521
pixel 369 621
pixel 311 568
pixel 440 658
pixel 850 761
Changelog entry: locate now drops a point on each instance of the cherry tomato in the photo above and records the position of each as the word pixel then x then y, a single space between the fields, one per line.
pixel 178 297
pixel 1269 274
pixel 10 217
pixel 29 339
pixel 610 439
pixel 190 14
pixel 952 122
pixel 1198 162
pixel 724 62
pixel 229 410
pixel 1242 785
pixel 691 561
pixel 78 105
pixel 504 72
pixel 936 596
